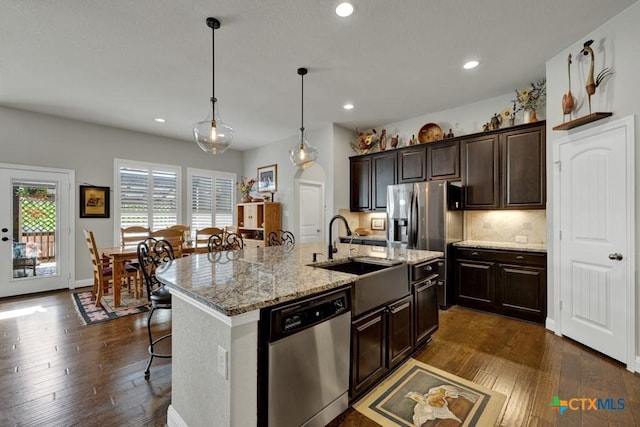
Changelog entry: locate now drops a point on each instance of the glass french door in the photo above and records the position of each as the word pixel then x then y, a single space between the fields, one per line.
pixel 35 230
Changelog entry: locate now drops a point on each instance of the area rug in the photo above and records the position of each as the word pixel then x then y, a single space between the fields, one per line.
pixel 421 395
pixel 90 314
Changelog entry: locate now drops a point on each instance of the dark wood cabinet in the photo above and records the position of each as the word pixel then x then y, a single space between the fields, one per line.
pixel 522 292
pixel 481 177
pixel 475 284
pixel 380 341
pixel 368 351
pixel 512 283
pixel 425 303
pixel 360 184
pixel 384 173
pixel 443 160
pixel 400 330
pixel 523 154
pixel 369 176
pixel 505 169
pixel 412 164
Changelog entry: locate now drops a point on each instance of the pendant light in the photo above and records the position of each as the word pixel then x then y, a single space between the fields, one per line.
pixel 213 135
pixel 303 155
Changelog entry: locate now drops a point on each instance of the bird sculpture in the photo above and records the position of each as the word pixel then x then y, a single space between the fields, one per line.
pixel 567 98
pixel 592 84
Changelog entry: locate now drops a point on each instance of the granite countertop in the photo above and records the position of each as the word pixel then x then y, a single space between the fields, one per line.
pixel 368 237
pixel 237 282
pixel 528 247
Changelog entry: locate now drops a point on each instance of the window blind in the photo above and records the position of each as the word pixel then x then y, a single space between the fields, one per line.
pixel 212 198
pixel 147 195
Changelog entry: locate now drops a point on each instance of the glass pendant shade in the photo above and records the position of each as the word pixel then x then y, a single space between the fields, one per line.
pixel 303 155
pixel 213 135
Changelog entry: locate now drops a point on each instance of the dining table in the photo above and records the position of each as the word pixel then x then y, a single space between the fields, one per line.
pixel 119 255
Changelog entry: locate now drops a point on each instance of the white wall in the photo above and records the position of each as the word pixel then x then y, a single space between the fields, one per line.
pixel 616 46
pixel 463 120
pixel 40 140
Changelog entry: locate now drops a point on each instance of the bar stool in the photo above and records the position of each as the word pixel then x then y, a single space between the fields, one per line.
pixel 151 254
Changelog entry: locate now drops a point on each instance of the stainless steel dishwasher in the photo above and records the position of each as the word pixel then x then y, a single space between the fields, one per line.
pixel 308 361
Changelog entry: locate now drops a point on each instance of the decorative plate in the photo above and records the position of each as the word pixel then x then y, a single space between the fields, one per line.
pixel 429 133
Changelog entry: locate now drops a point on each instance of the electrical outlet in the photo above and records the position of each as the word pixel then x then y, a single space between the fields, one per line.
pixel 223 365
pixel 521 239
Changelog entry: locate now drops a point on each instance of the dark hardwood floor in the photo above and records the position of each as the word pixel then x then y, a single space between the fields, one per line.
pixel 56 372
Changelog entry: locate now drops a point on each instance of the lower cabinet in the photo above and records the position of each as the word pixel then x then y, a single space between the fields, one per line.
pixel 380 341
pixel 513 283
pixel 425 303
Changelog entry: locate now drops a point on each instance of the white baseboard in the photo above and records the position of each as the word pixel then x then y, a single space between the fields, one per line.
pixel 174 419
pixel 83 283
pixel 550 324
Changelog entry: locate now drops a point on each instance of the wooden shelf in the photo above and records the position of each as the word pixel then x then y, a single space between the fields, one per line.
pixel 582 121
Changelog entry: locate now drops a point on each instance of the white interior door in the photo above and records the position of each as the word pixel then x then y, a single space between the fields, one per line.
pixel 311 211
pixel 596 238
pixel 35 230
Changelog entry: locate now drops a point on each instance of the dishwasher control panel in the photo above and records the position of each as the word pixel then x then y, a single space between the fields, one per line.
pixel 302 314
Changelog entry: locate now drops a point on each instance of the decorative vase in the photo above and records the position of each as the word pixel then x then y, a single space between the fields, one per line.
pixel 246 198
pixel 530 116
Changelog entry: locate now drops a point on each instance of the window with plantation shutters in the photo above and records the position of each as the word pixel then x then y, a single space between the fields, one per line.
pixel 146 194
pixel 212 197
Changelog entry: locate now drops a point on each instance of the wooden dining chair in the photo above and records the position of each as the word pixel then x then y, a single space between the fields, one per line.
pixel 203 234
pixel 103 271
pixel 133 235
pixel 174 236
pixel 184 229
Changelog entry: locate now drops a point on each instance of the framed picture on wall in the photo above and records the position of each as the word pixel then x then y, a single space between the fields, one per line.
pixel 268 179
pixel 94 201
pixel 377 224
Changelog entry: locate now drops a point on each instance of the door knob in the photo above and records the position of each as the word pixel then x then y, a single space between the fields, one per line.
pixel 616 256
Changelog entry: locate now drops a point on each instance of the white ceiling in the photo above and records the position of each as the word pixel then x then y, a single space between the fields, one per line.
pixel 122 63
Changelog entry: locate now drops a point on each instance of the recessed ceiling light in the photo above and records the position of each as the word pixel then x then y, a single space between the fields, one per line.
pixel 344 9
pixel 348 106
pixel 159 120
pixel 471 64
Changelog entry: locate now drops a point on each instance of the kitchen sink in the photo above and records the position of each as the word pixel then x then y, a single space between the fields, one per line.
pixel 379 281
pixel 359 266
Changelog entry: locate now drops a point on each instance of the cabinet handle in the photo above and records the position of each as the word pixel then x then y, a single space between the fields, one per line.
pixel 428 268
pixel 519 257
pixel 474 253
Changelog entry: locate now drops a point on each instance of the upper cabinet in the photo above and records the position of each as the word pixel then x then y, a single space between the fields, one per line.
pixel 505 169
pixel 412 164
pixel 384 173
pixel 369 177
pixel 443 160
pixel 360 184
pixel 481 184
pixel 523 168
pixel 501 169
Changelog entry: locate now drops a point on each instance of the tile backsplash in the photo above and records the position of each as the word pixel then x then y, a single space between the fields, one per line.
pixel 494 226
pixel 504 226
pixel 362 220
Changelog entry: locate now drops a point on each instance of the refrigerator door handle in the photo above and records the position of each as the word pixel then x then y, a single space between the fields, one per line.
pixel 413 221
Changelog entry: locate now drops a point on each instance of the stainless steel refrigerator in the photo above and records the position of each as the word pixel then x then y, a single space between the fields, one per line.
pixel 428 216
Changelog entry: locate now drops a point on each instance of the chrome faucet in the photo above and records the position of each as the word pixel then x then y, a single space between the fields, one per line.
pixel 331 248
pixel 355 234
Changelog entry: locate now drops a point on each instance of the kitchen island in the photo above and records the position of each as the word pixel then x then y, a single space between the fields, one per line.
pixel 216 304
